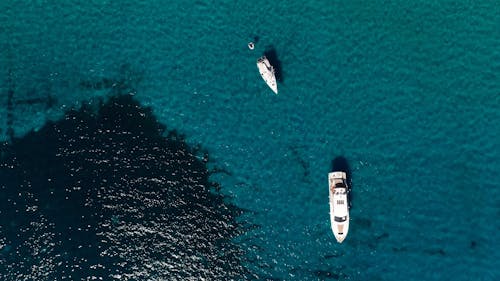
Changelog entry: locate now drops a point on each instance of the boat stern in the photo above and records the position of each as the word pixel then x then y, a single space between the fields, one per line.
pixel 337 175
pixel 340 231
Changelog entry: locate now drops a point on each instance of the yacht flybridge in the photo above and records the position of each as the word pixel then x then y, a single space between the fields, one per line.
pixel 267 72
pixel 339 205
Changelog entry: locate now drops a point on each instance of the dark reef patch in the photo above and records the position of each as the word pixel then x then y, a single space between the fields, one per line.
pixel 31 100
pixel 295 153
pixel 330 256
pixel 399 249
pixel 49 101
pixel 382 236
pixel 10 104
pixel 362 222
pixel 109 193
pixel 324 274
pixel 435 252
pixel 125 82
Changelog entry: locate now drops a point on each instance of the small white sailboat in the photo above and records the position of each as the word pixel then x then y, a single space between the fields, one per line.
pixel 339 205
pixel 267 72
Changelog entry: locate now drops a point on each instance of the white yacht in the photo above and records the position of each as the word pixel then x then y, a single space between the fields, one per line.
pixel 267 72
pixel 339 205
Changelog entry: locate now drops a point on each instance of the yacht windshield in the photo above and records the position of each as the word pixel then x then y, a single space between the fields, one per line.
pixel 340 219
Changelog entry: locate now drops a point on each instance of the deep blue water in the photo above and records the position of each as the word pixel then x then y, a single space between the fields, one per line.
pixel 407 92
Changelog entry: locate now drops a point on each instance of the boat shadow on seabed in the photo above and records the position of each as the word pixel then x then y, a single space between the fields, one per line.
pixel 272 56
pixel 340 164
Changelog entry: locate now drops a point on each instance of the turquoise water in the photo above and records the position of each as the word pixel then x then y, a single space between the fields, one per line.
pixel 408 93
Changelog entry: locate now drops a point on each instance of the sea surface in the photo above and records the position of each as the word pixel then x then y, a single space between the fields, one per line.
pixel 140 143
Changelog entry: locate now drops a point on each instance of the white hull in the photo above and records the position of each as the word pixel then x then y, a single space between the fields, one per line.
pixel 266 70
pixel 339 205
